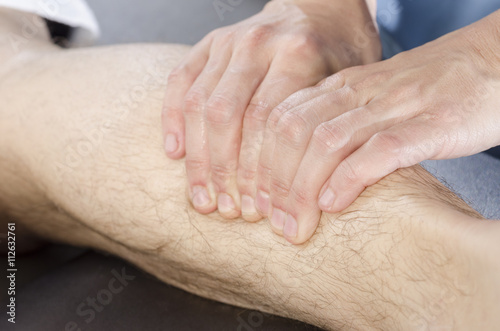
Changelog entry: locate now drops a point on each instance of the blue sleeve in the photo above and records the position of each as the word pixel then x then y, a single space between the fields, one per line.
pixel 412 23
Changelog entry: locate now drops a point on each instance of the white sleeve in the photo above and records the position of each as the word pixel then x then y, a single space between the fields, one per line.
pixel 74 13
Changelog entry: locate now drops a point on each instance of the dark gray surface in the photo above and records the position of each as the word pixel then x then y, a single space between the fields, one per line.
pixel 495 151
pixel 475 178
pixel 35 264
pixel 170 21
pixel 139 302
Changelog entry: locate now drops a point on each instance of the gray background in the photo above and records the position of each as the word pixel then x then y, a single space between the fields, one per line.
pixel 170 21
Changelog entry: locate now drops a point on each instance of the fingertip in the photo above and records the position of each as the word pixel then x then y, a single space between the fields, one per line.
pixel 173 132
pixel 299 228
pixel 342 203
pixel 227 206
pixel 254 218
pixel 278 220
pixel 173 146
pixel 248 210
pixel 290 229
pixel 262 203
pixel 202 200
pixel 295 241
pixel 171 143
pixel 327 199
pixel 345 193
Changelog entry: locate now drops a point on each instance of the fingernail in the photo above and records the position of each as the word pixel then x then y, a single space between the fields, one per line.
pixel 278 219
pixel 171 143
pixel 262 202
pixel 290 228
pixel 200 197
pixel 247 205
pixel 225 203
pixel 327 198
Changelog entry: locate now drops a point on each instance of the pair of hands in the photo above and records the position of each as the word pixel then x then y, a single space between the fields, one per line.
pixel 267 132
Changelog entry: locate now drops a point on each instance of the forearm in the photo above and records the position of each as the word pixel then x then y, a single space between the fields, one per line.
pixel 91 144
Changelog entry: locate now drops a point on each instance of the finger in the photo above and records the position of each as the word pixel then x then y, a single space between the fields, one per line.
pixel 278 85
pixel 179 82
pixel 329 144
pixel 262 202
pixel 224 116
pixel 282 88
pixel 197 154
pixel 400 146
pixel 293 130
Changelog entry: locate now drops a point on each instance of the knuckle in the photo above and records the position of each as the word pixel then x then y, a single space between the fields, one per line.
pixel 387 143
pixel 274 117
pixel 263 172
pixel 196 164
pixel 349 171
pixel 257 34
pixel 194 101
pixel 279 188
pixel 214 65
pixel 247 174
pixel 221 171
pixel 250 147
pixel 292 127
pixel 298 97
pixel 330 138
pixel 286 105
pixel 178 73
pixel 240 69
pixel 347 79
pixel 338 79
pixel 215 32
pixel 302 197
pixel 219 110
pixel 354 88
pixel 222 35
pixel 257 112
pixel 369 81
pixel 210 37
pixel 305 45
pixel 171 115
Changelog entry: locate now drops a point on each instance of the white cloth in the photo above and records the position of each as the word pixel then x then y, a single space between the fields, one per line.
pixel 74 13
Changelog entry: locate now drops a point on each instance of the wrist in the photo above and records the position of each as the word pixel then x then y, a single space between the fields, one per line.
pixel 347 27
pixel 484 40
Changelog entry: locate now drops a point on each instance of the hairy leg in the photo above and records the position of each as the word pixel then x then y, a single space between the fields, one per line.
pixel 81 162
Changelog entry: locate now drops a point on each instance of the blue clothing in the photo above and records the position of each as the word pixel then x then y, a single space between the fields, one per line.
pixel 411 23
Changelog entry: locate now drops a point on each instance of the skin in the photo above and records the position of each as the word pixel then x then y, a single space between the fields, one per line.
pixel 219 98
pixel 325 144
pixel 82 162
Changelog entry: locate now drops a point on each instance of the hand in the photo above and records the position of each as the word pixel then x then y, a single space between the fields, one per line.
pixel 219 98
pixel 325 144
